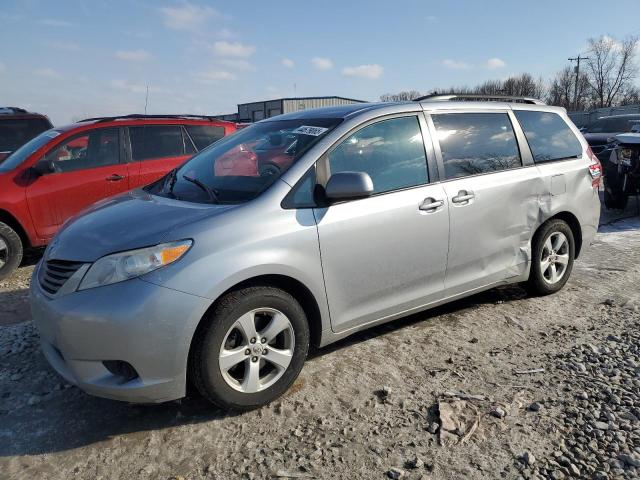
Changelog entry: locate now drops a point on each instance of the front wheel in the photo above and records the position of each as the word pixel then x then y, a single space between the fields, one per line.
pixel 10 250
pixel 251 349
pixel 553 251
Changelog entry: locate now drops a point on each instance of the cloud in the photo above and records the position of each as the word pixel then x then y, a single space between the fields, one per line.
pixel 495 62
pixel 233 49
pixel 287 62
pixel 431 18
pixel 238 64
pixel 455 65
pixel 47 73
pixel 53 22
pixel 64 46
pixel 213 76
pixel 322 63
pixel 371 71
pixel 187 16
pixel 133 55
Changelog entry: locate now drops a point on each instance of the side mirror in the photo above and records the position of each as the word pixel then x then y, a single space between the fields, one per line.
pixel 44 167
pixel 348 186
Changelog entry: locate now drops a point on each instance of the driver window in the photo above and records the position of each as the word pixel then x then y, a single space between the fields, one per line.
pixel 97 148
pixel 391 152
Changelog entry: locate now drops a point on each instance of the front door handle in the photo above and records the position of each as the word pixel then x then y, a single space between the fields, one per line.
pixel 430 204
pixel 115 178
pixel 463 197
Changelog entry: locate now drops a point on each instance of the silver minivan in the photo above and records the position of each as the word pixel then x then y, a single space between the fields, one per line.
pixel 305 228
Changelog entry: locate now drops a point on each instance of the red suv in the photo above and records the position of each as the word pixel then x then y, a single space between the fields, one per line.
pixel 63 170
pixel 17 127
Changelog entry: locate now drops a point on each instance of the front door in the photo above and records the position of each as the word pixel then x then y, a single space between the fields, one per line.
pixel 493 198
pixel 385 254
pixel 86 168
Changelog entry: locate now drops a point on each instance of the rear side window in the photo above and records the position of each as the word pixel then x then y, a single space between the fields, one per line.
pixel 152 142
pixel 476 143
pixel 549 137
pixel 390 151
pixel 204 135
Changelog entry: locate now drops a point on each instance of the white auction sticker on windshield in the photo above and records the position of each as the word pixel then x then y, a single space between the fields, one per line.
pixel 313 131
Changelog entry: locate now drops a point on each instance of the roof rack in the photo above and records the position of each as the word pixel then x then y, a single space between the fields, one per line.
pixel 135 116
pixel 10 110
pixel 483 98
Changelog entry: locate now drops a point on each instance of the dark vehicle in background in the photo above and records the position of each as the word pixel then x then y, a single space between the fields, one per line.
pixel 17 127
pixel 600 133
pixel 63 170
pixel 622 171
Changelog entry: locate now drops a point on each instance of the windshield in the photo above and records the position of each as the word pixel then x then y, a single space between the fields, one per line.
pixel 15 132
pixel 20 155
pixel 613 125
pixel 239 167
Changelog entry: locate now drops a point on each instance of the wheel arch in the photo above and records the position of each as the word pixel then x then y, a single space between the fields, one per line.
pixel 9 219
pixel 292 286
pixel 574 225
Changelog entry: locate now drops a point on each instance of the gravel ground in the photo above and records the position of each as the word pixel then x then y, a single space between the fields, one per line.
pixel 457 392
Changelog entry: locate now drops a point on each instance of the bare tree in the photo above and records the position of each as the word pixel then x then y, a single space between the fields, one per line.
pixel 611 68
pixel 562 90
pixel 400 96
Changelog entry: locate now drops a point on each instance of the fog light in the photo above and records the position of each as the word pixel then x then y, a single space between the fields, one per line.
pixel 121 369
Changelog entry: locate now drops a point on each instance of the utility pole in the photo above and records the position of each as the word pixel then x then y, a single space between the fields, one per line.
pixel 577 70
pixel 146 100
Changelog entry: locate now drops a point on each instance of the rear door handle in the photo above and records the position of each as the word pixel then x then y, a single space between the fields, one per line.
pixel 430 204
pixel 463 196
pixel 115 178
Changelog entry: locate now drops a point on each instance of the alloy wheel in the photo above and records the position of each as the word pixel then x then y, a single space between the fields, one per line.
pixel 555 258
pixel 257 350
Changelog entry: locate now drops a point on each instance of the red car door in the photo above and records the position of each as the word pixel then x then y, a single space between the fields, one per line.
pixel 84 169
pixel 156 150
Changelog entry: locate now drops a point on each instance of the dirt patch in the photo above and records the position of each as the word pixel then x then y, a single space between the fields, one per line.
pixel 367 407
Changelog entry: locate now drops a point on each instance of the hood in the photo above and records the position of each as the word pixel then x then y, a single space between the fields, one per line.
pixel 125 222
pixel 598 138
pixel 628 138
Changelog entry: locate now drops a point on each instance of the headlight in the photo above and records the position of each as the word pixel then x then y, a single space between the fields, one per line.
pixel 125 265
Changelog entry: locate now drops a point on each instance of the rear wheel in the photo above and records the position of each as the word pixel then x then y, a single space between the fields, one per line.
pixel 10 250
pixel 252 348
pixel 553 251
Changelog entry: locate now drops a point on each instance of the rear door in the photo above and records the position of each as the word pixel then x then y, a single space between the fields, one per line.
pixel 384 254
pixel 157 149
pixel 87 168
pixel 493 197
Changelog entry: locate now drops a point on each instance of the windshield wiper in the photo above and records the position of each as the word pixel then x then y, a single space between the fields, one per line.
pixel 210 191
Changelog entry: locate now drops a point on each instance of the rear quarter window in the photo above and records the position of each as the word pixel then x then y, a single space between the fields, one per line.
pixel 549 136
pixel 204 135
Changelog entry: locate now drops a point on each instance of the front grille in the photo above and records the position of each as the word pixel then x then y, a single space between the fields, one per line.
pixel 55 273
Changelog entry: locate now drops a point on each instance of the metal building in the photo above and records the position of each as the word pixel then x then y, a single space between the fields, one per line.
pixel 255 111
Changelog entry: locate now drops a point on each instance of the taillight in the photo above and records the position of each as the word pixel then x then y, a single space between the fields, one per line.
pixel 595 169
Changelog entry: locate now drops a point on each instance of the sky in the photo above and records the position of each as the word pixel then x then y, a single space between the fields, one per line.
pixel 72 59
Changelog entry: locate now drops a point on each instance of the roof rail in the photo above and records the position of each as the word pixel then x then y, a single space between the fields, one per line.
pixel 137 116
pixel 482 98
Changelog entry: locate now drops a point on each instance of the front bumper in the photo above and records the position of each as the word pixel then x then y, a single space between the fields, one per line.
pixel 146 325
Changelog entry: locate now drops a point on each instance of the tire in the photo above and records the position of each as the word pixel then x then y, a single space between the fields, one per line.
pixel 541 280
pixel 615 200
pixel 614 197
pixel 10 250
pixel 269 170
pixel 235 388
